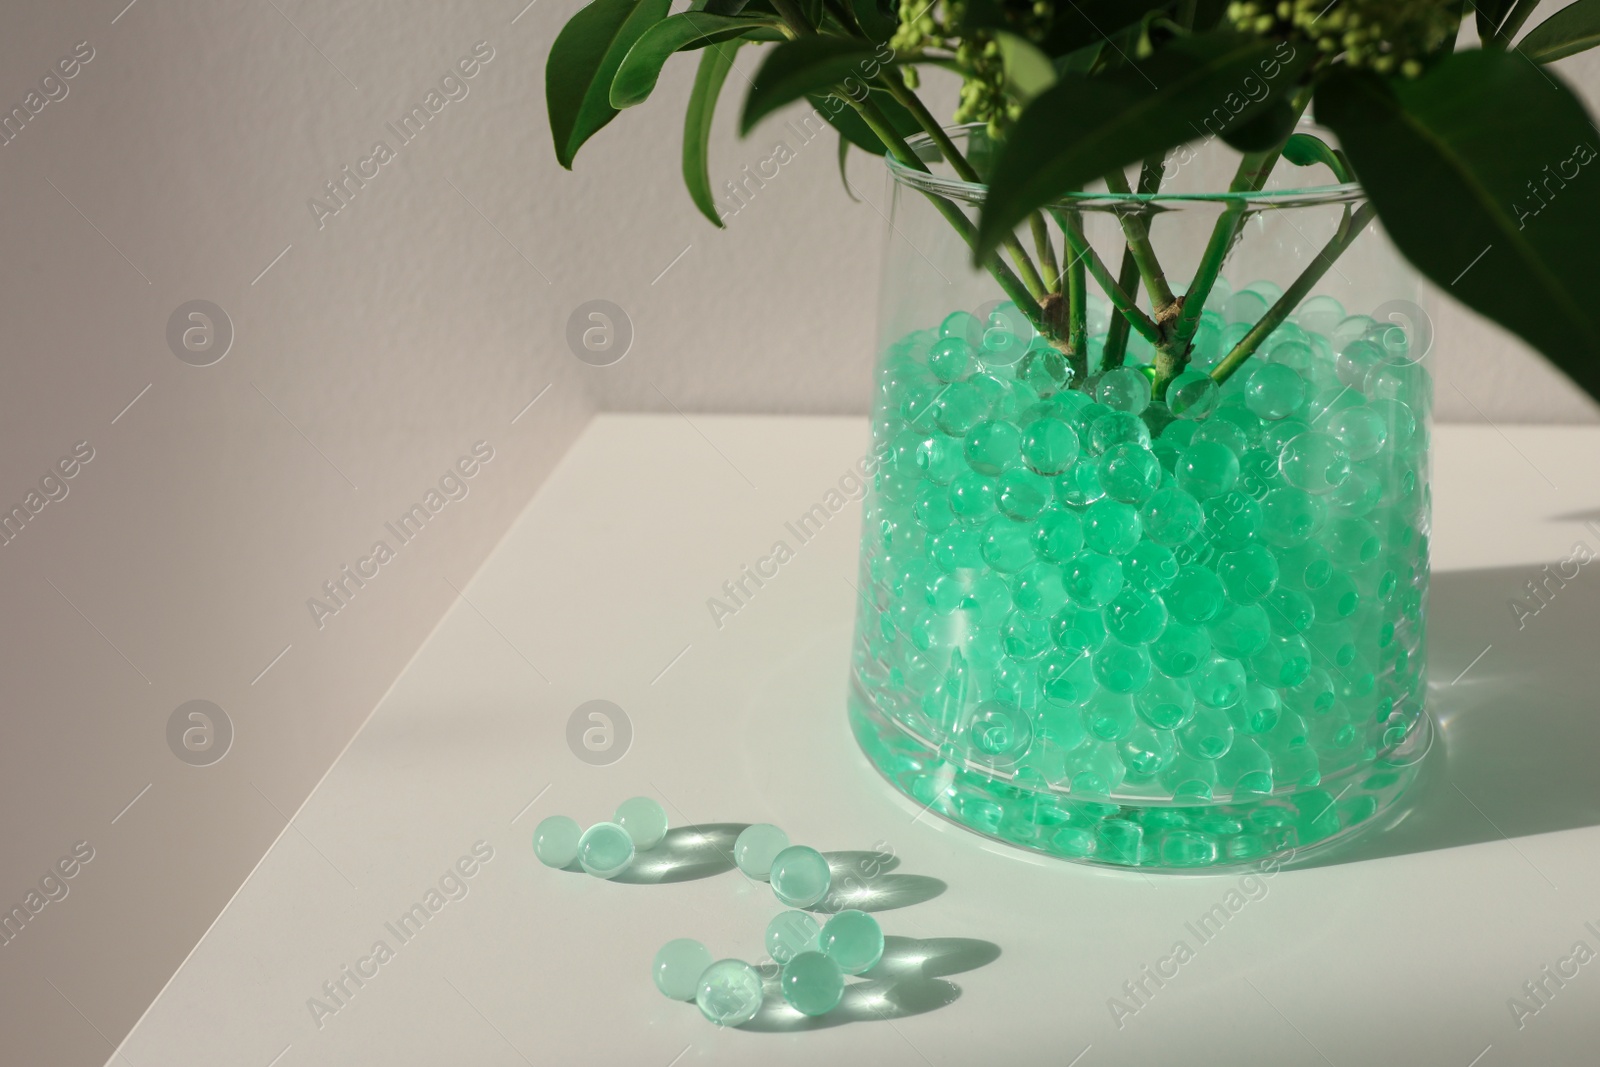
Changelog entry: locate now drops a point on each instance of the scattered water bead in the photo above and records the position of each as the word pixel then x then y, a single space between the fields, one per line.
pixel 1315 462
pixel 644 819
pixel 1093 580
pixel 1111 527
pixel 1000 733
pixel 993 446
pixel 1193 394
pixel 555 841
pixel 1136 617
pixel 1208 468
pixel 756 847
pixel 678 966
pixel 854 940
pixel 1274 391
pixel 1124 389
pixel 1058 536
pixel 1195 595
pixel 812 983
pixel 1130 473
pixel 1248 574
pixel 1171 517
pixel 605 850
pixel 789 934
pixel 729 993
pixel 1049 445
pixel 949 358
pixel 800 876
pixel 1181 649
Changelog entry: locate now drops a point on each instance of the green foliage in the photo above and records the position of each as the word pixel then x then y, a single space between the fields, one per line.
pixel 584 61
pixel 715 62
pixel 636 77
pixel 808 65
pixel 1463 178
pixel 1573 29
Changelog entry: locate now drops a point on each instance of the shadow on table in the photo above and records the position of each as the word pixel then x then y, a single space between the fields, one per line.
pixel 1516 696
pixel 908 980
pixel 686 853
pixel 864 881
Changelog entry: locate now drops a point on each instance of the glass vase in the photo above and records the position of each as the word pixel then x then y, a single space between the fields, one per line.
pixel 1160 631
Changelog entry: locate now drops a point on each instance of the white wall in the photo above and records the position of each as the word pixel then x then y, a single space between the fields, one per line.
pixel 374 352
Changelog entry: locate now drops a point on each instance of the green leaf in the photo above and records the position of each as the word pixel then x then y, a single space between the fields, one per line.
pixel 636 78
pixel 1491 16
pixel 1307 150
pixel 807 65
pixel 1028 71
pixel 1573 29
pixel 877 20
pixel 844 177
pixel 1073 25
pixel 1265 130
pixel 715 62
pixel 1083 128
pixel 1484 173
pixel 582 62
pixel 842 117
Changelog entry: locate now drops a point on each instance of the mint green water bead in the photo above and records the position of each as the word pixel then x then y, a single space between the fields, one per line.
pixel 1057 536
pixel 1049 446
pixel 959 407
pixel 949 358
pixel 1171 517
pixel 678 966
pixel 972 496
pixel 1150 567
pixel 1021 494
pixel 1111 527
pixel 1274 391
pixel 1080 485
pixel 1181 649
pixel 1248 574
pixel 1241 630
pixel 555 841
pixel 729 993
pixel 1195 595
pixel 1078 629
pixel 1193 395
pixel 962 324
pixel 1315 462
pixel 812 983
pixel 1290 516
pixel 1165 703
pixel 1130 473
pixel 789 934
pixel 1220 683
pixel 1208 468
pixel 756 847
pixel 1123 389
pixel 1008 546
pixel 1122 668
pixel 853 940
pixel 993 446
pixel 644 819
pixel 800 876
pixel 1094 580
pixel 1136 617
pixel 1117 428
pixel 605 850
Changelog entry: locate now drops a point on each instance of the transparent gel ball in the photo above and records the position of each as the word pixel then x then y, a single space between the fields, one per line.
pixel 1150 567
pixel 729 993
pixel 1049 445
pixel 799 876
pixel 1360 429
pixel 1117 428
pixel 1008 546
pixel 812 983
pixel 1111 527
pixel 1022 494
pixel 1315 462
pixel 555 841
pixel 1093 580
pixel 605 850
pixel 949 358
pixel 1057 536
pixel 756 847
pixel 1274 391
pixel 1130 473
pixel 1000 733
pixel 1124 389
pixel 993 446
pixel 1193 395
pixel 1171 517
pixel 959 408
pixel 678 966
pixel 1207 468
pixel 644 819
pixel 1320 314
pixel 1195 595
pixel 1136 617
pixel 854 940
pixel 1181 649
pixel 1290 516
pixel 962 324
pixel 789 934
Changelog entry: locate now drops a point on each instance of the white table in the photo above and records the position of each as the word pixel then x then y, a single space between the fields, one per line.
pixel 1406 951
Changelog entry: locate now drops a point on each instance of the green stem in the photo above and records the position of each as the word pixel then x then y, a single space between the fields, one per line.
pixel 1116 350
pixel 1046 252
pixel 1137 230
pixel 964 170
pixel 1083 251
pixel 1078 308
pixel 1350 228
pixel 789 11
pixel 1514 21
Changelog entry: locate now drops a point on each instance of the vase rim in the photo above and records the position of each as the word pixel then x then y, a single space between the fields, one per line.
pixel 976 192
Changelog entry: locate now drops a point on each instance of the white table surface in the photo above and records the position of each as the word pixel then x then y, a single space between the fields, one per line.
pixel 1406 950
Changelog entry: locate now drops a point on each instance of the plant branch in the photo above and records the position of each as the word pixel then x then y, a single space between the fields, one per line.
pixel 1350 228
pixel 1046 252
pixel 1514 22
pixel 1137 230
pixel 1083 251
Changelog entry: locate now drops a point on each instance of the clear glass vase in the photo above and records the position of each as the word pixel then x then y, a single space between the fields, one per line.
pixel 1161 632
